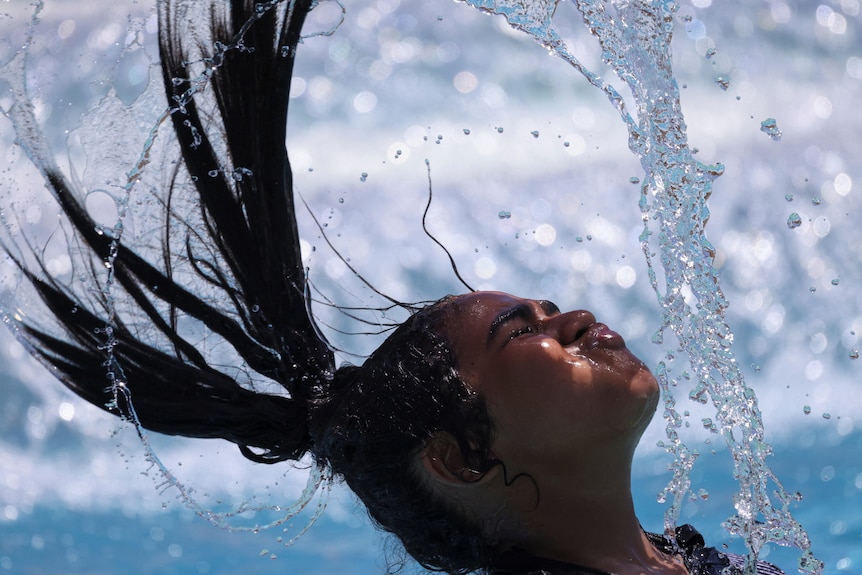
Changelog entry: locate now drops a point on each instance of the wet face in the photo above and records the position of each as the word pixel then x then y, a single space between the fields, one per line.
pixel 554 382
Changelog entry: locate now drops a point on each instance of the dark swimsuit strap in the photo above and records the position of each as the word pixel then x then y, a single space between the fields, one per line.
pixel 689 544
pixel 698 558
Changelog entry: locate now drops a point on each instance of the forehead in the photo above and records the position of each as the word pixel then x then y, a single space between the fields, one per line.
pixel 479 303
pixel 469 316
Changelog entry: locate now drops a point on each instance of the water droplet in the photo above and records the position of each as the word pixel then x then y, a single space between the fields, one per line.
pixel 794 221
pixel 566 144
pixel 806 409
pixel 589 238
pixel 854 354
pixel 699 394
pixel 835 281
pixel 340 200
pixel 710 53
pixel 827 415
pixel 579 239
pixel 466 132
pixel 239 173
pixel 499 129
pixel 812 289
pixel 363 176
pixel 634 180
pixel 703 494
pixel 816 201
pixel 255 308
pixel 715 170
pixel 770 127
pixel 722 82
pixel 504 215
pixel 535 133
pixel 264 552
pixel 212 173
pixel 788 196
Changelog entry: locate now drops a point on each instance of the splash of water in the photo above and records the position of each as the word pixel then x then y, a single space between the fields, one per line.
pixel 635 42
pixel 635 38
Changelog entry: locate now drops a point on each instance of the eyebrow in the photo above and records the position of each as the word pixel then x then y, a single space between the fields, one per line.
pixel 520 311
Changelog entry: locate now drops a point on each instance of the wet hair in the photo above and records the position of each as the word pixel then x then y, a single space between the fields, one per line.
pixel 233 265
pixel 378 417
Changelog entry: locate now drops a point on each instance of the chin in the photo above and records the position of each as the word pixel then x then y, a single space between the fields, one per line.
pixel 645 387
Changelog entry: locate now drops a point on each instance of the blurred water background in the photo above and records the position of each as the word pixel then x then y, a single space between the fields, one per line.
pixel 532 195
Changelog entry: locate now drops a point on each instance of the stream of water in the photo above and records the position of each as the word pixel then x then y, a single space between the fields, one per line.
pixel 635 38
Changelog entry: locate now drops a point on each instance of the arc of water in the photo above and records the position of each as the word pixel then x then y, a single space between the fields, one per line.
pixel 32 141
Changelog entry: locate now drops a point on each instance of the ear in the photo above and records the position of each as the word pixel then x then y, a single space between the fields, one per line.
pixel 443 462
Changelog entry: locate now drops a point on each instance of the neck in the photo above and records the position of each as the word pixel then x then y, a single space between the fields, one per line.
pixel 585 515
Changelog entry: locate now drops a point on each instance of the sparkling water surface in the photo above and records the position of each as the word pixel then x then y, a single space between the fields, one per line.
pixel 507 130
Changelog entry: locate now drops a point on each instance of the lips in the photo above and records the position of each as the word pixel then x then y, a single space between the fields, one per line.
pixel 599 335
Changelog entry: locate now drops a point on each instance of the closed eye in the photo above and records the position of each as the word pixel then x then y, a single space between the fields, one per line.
pixel 522 314
pixel 523 330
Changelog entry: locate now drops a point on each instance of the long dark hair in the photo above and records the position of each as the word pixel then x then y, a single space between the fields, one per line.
pixel 235 268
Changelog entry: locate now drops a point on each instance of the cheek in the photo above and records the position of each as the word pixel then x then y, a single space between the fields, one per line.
pixel 546 410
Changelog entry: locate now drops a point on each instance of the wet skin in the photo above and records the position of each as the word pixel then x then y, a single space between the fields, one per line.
pixel 569 403
pixel 555 383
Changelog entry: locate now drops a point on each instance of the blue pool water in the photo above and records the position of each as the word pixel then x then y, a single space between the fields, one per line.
pixel 54 537
pixel 76 497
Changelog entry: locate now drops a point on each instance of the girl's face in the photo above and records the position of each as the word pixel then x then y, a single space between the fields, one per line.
pixel 554 382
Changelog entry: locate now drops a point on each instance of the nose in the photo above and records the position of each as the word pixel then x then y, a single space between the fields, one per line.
pixel 568 327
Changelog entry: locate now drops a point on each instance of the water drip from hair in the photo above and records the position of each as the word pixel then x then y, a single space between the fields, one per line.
pixel 32 141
